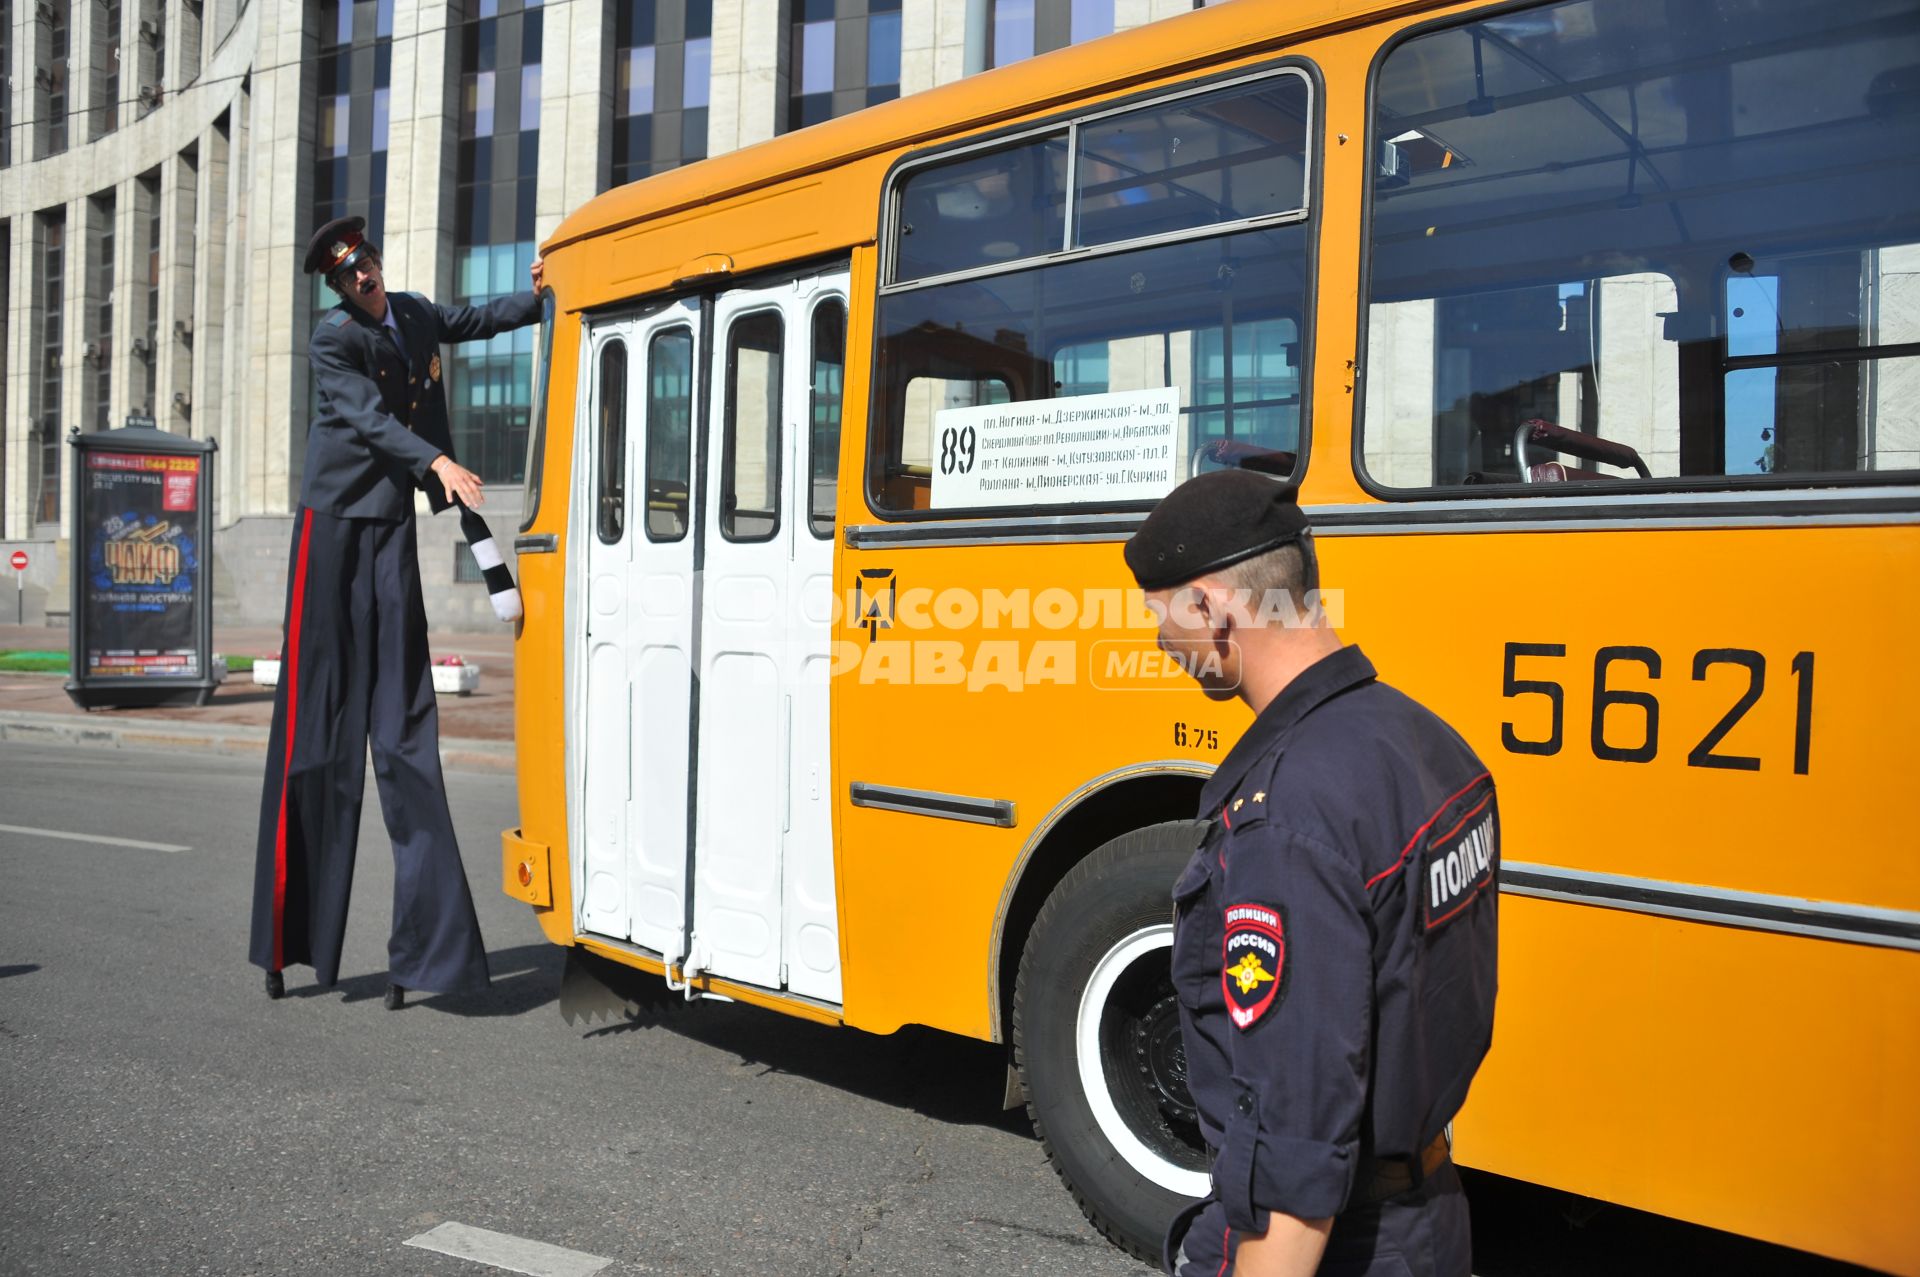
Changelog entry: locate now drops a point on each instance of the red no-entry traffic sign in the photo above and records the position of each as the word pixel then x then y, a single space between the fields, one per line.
pixel 19 560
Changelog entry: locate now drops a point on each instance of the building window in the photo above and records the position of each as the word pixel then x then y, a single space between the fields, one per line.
pixel 59 12
pixel 99 348
pixel 1022 28
pixel 43 483
pixel 1012 31
pixel 154 31
pixel 489 403
pixel 351 108
pixel 106 74
pixel 845 55
pixel 6 93
pixel 663 59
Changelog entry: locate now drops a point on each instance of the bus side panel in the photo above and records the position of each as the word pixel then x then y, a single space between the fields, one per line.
pixel 988 709
pixel 539 706
pixel 1733 1077
pixel 1740 1079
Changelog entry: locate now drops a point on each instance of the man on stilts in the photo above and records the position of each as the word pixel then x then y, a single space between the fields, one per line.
pixel 354 666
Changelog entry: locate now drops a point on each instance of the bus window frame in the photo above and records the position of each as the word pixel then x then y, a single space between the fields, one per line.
pixel 840 428
pixel 1615 492
pixel 647 436
pixel 534 481
pixel 1099 521
pixel 1068 125
pixel 603 465
pixel 728 432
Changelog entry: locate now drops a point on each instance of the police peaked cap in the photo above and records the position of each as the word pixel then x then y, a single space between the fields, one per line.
pixel 1210 522
pixel 338 246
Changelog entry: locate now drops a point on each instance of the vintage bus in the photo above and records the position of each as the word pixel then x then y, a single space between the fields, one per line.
pixel 1589 331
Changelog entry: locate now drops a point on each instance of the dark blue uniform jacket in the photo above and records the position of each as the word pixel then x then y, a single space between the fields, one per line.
pixel 382 419
pixel 1334 941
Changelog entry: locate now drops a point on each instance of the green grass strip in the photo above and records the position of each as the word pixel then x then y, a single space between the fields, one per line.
pixel 23 662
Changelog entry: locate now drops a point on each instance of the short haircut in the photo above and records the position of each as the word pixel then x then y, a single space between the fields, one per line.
pixel 1292 568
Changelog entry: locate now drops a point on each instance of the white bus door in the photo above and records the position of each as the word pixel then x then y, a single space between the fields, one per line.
pixel 764 905
pixel 639 626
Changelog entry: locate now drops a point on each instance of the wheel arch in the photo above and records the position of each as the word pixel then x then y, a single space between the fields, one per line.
pixel 1097 812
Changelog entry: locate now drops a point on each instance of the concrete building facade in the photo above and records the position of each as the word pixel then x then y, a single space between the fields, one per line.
pixel 163 163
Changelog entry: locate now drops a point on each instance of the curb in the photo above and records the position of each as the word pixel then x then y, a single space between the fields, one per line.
pixel 456 753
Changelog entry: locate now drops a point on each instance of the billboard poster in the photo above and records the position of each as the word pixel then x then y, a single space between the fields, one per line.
pixel 141 522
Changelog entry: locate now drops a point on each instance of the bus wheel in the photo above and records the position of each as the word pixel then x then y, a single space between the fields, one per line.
pixel 1096 1039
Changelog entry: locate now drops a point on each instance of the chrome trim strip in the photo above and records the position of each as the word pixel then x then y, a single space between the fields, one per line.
pixel 536 543
pixel 1025 529
pixel 1856 507
pixel 1725 522
pixel 653 955
pixel 1788 915
pixel 1764 507
pixel 928 802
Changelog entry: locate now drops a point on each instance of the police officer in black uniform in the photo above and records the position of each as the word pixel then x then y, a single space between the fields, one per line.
pixel 354 665
pixel 1334 940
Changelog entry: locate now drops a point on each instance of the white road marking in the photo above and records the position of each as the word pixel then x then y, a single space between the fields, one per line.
pixel 504 1250
pixel 99 838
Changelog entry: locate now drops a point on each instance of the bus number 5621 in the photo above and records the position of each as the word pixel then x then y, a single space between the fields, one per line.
pixel 1632 733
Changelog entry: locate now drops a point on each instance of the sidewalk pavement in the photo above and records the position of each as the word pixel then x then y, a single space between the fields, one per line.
pixel 476 730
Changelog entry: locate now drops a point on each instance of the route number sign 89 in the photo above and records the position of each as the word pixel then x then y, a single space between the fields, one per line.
pixel 956 450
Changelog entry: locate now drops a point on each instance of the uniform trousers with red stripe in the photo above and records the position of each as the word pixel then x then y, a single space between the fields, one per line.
pixel 354 670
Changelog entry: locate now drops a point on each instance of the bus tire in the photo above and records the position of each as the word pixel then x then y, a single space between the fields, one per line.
pixel 1096 1039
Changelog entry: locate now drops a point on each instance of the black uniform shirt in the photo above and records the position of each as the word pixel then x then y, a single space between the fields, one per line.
pixel 1334 941
pixel 382 419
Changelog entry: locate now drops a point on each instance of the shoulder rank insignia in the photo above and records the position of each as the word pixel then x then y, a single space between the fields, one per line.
pixel 1254 962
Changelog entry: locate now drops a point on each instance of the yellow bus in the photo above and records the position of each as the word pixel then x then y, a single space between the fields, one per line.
pixel 1590 332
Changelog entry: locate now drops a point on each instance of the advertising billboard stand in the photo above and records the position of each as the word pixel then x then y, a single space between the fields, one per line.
pixel 142 620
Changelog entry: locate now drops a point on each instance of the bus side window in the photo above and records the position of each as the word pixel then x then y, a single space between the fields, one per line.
pixel 669 432
pixel 908 481
pixel 1686 242
pixel 823 411
pixel 750 462
pixel 610 500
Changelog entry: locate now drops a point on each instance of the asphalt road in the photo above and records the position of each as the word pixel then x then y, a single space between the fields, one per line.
pixel 159 1115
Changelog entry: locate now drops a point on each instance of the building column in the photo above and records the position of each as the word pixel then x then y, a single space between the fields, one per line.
pixel 1128 14
pixel 280 150
pixel 175 334
pixel 183 45
pixel 209 285
pixel 242 447
pixel 933 43
pixel 751 39
pixel 23 278
pixel 75 323
pixel 423 134
pixel 129 300
pixel 576 110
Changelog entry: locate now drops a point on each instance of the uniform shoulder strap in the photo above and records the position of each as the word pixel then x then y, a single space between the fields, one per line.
pixel 337 318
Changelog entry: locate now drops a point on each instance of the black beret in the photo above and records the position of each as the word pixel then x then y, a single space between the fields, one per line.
pixel 1213 521
pixel 337 245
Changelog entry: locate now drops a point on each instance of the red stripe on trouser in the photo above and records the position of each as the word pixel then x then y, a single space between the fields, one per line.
pixel 290 671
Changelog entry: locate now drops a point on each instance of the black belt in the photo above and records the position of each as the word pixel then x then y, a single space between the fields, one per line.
pixel 1382 1177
